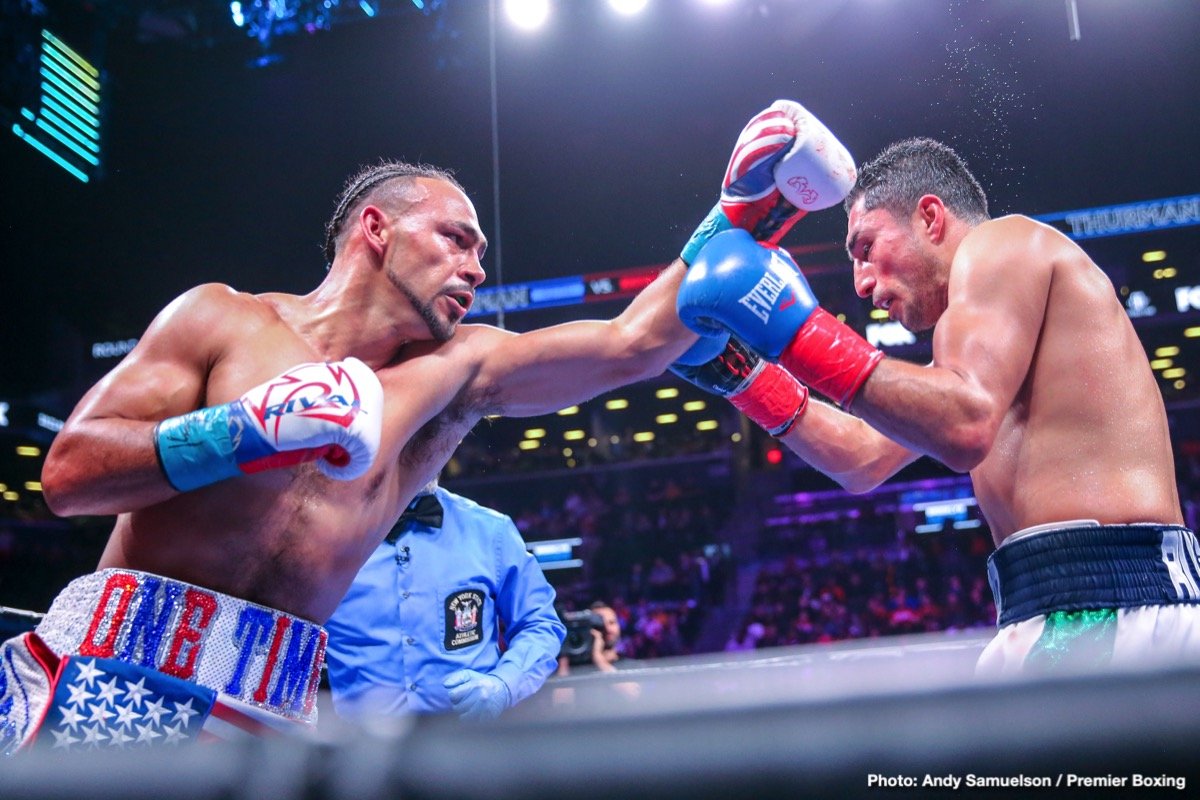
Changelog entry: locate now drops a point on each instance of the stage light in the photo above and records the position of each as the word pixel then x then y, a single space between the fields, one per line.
pixel 644 436
pixel 1166 352
pixel 529 444
pixel 568 411
pixel 535 433
pixel 29 451
pixel 1150 256
pixel 774 456
pixel 707 425
pixel 527 14
pixel 573 436
pixel 694 405
pixel 66 127
pixel 667 394
pixel 33 486
pixel 627 7
pixel 617 404
pixel 1161 363
pixel 235 12
pixel 666 419
pixel 368 8
pixel 1177 372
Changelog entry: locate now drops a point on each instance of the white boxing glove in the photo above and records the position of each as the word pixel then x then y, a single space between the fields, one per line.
pixel 785 164
pixel 817 172
pixel 330 413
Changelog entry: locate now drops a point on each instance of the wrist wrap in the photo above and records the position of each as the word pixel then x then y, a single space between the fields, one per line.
pixel 830 357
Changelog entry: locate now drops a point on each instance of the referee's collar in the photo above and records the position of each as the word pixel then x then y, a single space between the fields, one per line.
pixel 425 509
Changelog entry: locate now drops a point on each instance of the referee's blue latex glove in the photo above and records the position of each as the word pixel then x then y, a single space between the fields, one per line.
pixel 475 695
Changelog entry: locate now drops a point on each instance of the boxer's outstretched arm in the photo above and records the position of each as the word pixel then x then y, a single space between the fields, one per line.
pixel 103 461
pixel 544 370
pixel 982 348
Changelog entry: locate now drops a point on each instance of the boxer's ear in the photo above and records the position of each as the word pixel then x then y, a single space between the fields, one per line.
pixel 373 223
pixel 931 217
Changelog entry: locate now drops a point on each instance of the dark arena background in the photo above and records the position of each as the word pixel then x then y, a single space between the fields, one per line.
pixel 791 639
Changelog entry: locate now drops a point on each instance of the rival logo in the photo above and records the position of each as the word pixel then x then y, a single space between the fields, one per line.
pixel 320 391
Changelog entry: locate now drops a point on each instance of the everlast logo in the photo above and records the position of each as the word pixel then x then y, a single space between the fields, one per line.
pixel 761 299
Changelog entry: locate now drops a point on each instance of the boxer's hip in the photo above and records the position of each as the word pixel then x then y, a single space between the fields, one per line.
pixel 1084 566
pixel 256 655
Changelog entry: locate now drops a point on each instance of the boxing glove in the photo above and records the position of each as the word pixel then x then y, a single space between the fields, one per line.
pixel 756 292
pixel 764 392
pixel 330 413
pixel 785 164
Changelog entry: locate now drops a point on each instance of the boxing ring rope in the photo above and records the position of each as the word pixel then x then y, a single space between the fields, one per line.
pixel 835 721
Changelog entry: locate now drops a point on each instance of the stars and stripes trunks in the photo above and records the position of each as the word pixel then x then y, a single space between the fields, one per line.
pixel 127 659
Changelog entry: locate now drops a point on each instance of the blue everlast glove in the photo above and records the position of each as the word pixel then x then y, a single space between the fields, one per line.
pixel 763 391
pixel 756 291
pixel 476 695
pixel 704 350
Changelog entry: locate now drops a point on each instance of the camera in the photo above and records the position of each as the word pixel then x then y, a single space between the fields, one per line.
pixel 577 646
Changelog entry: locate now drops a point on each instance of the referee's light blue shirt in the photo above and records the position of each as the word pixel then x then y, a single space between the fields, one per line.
pixel 430 604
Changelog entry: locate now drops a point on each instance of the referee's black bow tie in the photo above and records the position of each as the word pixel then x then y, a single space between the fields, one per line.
pixel 425 510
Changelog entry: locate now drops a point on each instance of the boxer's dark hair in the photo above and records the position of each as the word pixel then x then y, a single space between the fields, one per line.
pixel 897 178
pixel 371 184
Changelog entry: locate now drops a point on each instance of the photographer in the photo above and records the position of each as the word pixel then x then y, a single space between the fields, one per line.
pixel 592 641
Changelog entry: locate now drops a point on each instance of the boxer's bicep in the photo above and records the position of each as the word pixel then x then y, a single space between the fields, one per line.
pixel 544 370
pixel 104 460
pixel 166 371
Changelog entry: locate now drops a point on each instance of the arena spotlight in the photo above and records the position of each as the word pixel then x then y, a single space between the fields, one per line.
pixel 527 14
pixel 627 7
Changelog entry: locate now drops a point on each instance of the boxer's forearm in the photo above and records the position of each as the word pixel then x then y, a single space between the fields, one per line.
pixel 932 410
pixel 845 448
pixel 649 329
pixel 103 466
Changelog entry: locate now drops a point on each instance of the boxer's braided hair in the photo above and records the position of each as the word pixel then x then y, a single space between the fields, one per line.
pixel 360 188
pixel 897 178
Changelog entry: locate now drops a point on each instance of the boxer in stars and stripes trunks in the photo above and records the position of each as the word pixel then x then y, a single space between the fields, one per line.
pixel 257 448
